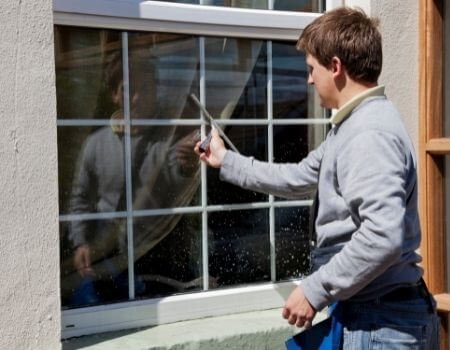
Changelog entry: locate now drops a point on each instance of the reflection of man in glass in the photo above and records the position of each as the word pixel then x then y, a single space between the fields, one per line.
pixel 163 169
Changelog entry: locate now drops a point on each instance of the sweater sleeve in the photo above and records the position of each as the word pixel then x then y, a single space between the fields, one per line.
pixel 288 180
pixel 371 172
pixel 83 195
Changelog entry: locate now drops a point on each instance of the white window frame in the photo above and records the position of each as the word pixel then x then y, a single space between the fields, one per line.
pixel 202 20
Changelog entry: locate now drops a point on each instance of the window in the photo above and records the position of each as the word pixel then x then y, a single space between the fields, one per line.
pixel 145 229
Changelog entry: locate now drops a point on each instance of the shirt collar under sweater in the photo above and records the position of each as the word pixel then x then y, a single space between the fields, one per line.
pixel 347 108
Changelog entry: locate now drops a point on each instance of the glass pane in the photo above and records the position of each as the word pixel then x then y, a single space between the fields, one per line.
pixel 239 247
pixel 290 91
pixel 168 255
pixel 91 169
pixel 298 5
pixel 181 1
pixel 250 140
pixel 292 242
pixel 282 5
pixel 255 4
pixel 81 60
pixel 292 143
pixel 236 78
pixel 251 4
pixel 165 169
pixel 93 262
pixel 163 73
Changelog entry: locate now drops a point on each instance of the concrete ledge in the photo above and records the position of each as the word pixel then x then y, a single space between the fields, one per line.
pixel 262 330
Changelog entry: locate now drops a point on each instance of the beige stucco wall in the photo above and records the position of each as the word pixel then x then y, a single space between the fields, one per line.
pixel 399 24
pixel 29 287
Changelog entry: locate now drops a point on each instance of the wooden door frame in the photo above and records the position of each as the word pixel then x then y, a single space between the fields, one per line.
pixel 433 147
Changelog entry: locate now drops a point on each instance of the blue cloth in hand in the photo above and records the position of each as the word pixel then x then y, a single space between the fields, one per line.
pixel 325 335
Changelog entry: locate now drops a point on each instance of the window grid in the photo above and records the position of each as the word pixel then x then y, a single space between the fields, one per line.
pixel 204 209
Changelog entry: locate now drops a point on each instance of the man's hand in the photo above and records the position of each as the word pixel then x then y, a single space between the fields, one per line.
pixel 186 158
pixel 82 260
pixel 297 310
pixel 214 156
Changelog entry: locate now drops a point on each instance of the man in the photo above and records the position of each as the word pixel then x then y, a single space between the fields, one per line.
pixel 367 224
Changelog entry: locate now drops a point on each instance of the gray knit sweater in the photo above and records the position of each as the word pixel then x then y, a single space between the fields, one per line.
pixel 367 217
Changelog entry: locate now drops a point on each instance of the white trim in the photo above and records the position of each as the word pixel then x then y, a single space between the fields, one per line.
pixel 184 210
pixel 187 122
pixel 174 308
pixel 182 18
pixel 185 13
pixel 331 4
pixel 128 165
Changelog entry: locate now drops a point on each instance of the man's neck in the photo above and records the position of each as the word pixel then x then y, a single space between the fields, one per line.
pixel 352 89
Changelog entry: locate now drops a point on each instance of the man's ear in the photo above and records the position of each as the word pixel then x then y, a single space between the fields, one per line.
pixel 336 66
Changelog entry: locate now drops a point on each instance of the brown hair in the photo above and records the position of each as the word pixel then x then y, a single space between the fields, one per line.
pixel 350 35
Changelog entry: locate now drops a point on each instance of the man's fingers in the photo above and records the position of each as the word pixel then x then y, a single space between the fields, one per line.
pixel 285 313
pixel 307 324
pixel 301 322
pixel 292 319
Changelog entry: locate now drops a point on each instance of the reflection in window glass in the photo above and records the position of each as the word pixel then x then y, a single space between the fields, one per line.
pixel 298 5
pixel 292 242
pixel 167 252
pixel 250 140
pixel 292 143
pixel 165 171
pixel 132 205
pixel 80 64
pixel 239 246
pixel 252 4
pixel 167 66
pixel 93 262
pixel 94 160
pixel 236 78
pixel 281 5
pixel 290 95
pixel 87 171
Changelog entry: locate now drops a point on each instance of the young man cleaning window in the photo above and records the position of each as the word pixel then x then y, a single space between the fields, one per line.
pixel 367 224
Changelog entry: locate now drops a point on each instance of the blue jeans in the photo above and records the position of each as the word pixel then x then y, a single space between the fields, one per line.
pixel 408 324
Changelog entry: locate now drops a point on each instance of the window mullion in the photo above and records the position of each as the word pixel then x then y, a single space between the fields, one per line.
pixel 128 165
pixel 204 191
pixel 270 159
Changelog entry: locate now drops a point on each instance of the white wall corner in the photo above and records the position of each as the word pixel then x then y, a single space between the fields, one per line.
pixel 330 4
pixel 363 4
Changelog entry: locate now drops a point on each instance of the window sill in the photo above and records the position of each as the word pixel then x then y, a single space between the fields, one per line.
pixel 251 330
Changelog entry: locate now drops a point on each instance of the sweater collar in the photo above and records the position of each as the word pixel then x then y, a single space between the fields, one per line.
pixel 348 107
